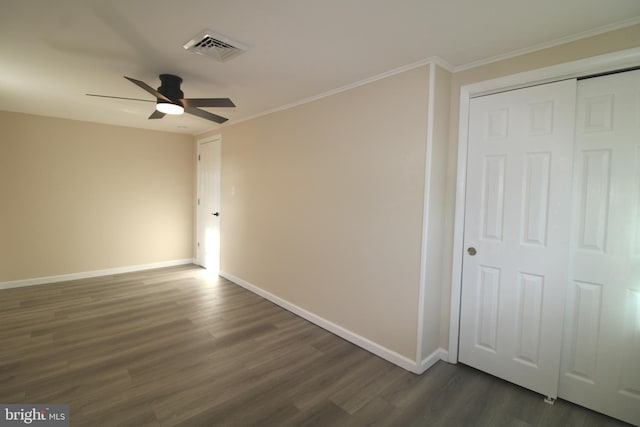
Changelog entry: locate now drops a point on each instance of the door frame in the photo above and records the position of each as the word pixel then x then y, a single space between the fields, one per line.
pixel 211 139
pixel 574 69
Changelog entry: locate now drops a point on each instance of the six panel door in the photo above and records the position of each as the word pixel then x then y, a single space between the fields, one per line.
pixel 601 353
pixel 208 209
pixel 517 218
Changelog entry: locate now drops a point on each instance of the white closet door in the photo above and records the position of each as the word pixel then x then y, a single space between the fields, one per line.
pixel 601 351
pixel 517 218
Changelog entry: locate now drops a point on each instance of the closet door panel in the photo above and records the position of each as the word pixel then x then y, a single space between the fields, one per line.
pixel 601 345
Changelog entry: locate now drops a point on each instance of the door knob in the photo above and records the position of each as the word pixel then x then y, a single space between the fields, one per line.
pixel 215 214
pixel 472 251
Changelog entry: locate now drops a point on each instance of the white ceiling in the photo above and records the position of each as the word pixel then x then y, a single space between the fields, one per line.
pixel 52 53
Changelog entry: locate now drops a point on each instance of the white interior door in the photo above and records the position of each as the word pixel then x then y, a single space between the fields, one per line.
pixel 517 221
pixel 208 204
pixel 601 353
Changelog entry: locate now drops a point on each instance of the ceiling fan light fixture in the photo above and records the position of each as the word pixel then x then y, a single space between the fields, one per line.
pixel 170 108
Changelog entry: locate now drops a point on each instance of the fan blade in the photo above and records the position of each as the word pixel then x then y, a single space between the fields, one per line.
pixel 148 88
pixel 119 97
pixel 205 115
pixel 156 115
pixel 207 102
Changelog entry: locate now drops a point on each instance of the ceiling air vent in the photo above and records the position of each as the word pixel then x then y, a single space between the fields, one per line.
pixel 214 45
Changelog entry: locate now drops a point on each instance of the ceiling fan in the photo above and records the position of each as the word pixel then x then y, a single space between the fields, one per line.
pixel 170 100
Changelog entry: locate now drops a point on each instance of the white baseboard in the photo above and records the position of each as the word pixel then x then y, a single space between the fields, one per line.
pixel 95 273
pixel 360 341
pixel 430 360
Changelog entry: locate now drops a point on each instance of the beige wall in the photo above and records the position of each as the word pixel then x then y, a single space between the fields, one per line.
pixel 323 202
pixel 322 206
pixel 436 243
pixel 79 196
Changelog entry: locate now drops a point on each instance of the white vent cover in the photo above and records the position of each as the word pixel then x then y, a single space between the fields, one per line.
pixel 214 45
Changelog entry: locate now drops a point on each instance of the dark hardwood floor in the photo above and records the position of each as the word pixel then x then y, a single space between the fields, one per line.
pixel 175 347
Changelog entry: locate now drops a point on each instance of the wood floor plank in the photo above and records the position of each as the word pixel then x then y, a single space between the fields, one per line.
pixel 175 346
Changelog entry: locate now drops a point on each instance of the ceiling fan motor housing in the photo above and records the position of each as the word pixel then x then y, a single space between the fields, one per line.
pixel 170 87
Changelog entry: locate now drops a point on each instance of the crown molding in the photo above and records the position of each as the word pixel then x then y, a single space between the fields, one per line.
pixel 557 42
